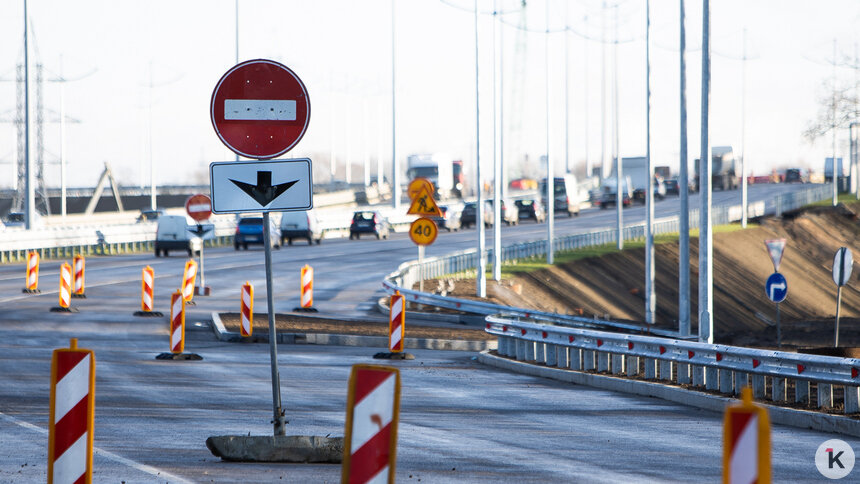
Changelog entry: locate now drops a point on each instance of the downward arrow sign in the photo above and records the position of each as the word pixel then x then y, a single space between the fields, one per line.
pixel 264 192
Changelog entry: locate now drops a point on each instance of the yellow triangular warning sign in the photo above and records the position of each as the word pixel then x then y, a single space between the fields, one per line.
pixel 423 204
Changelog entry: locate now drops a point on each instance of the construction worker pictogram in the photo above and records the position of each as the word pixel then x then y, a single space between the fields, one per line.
pixel 396 323
pixel 72 415
pixel 177 323
pixel 31 284
pixel 78 286
pixel 247 327
pixel 423 204
pixel 189 276
pixel 746 442
pixel 372 415
pixel 147 294
pixel 65 294
pixel 417 184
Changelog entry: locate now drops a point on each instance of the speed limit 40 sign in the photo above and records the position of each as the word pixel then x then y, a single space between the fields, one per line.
pixel 423 231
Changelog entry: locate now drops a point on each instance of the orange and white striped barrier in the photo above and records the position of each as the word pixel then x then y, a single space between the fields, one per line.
pixel 147 294
pixel 396 322
pixel 177 323
pixel 72 415
pixel 247 309
pixel 65 285
pixel 32 282
pixel 372 414
pixel 78 287
pixel 746 442
pixel 188 279
pixel 307 286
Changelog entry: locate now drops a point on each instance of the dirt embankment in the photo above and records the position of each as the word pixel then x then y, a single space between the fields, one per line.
pixel 614 284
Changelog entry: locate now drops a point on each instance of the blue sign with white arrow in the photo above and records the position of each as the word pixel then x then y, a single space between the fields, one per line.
pixel 776 287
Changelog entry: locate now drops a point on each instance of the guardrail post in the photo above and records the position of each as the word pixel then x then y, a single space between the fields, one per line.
pixel 521 350
pixel 665 370
pixel 588 360
pixel 632 364
pixel 563 358
pixel 575 361
pixel 741 380
pixel 530 351
pixel 502 348
pixel 617 364
pixel 539 352
pixel 801 391
pixel 778 389
pixel 852 402
pixel 726 381
pixel 602 361
pixel 683 371
pixel 711 380
pixel 825 395
pixel 551 355
pixel 650 368
pixel 758 386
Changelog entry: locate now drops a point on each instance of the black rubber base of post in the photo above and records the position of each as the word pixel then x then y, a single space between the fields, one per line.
pixel 190 303
pixel 79 296
pixel 178 356
pixel 149 314
pixel 60 309
pixel 204 291
pixel 394 356
pixel 31 291
pixel 305 310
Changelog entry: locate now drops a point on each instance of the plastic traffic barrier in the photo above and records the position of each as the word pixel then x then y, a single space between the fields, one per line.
pixel 372 415
pixel 307 286
pixel 247 323
pixel 72 415
pixel 177 323
pixel 31 284
pixel 189 276
pixel 396 323
pixel 78 268
pixel 147 294
pixel 65 285
pixel 746 442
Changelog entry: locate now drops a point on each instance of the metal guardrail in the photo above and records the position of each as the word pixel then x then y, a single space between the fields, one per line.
pixel 713 367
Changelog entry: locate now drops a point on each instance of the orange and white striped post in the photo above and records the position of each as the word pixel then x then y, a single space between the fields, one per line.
pixel 396 323
pixel 746 442
pixel 147 289
pixel 307 287
pixel 65 285
pixel 72 415
pixel 32 282
pixel 372 414
pixel 189 276
pixel 78 266
pixel 247 309
pixel 177 323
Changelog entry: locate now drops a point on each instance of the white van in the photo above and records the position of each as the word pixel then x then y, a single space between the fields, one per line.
pixel 300 225
pixel 173 234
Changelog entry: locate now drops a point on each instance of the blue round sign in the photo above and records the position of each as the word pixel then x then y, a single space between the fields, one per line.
pixel 776 287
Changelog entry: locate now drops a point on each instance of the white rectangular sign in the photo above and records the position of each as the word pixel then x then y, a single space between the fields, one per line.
pixel 261 186
pixel 259 110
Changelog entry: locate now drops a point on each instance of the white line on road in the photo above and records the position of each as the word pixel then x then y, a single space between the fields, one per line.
pixel 103 453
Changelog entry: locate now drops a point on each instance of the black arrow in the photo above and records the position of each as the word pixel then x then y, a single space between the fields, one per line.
pixel 264 192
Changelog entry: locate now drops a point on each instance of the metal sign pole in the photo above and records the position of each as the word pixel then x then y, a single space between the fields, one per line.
pixel 421 268
pixel 838 304
pixel 278 421
pixel 778 329
pixel 202 243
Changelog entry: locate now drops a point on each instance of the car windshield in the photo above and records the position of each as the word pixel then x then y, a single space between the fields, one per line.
pixel 363 216
pixel 251 221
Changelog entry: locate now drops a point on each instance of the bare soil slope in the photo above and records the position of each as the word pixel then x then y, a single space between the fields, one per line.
pixel 614 284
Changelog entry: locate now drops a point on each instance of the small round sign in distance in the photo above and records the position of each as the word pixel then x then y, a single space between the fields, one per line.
pixel 423 231
pixel 260 109
pixel 199 207
pixel 776 287
pixel 843 262
pixel 417 184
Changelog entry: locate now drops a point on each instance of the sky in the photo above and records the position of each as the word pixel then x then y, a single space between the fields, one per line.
pixel 140 77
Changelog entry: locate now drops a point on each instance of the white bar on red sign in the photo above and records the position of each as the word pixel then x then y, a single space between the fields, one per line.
pixel 199 207
pixel 259 110
pixel 744 460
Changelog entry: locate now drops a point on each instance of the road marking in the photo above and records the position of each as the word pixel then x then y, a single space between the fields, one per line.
pixel 103 453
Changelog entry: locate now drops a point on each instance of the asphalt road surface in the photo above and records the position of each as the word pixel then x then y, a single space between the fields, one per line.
pixel 460 421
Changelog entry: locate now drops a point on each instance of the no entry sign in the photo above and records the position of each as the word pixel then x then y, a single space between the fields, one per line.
pixel 260 109
pixel 199 207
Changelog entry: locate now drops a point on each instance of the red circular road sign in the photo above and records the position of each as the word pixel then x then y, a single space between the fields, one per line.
pixel 260 109
pixel 199 207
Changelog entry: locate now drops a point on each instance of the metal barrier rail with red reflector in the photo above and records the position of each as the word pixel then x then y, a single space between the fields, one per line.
pixel 716 367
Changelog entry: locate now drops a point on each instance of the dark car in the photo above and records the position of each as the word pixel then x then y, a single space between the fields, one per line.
pixel 531 209
pixel 249 230
pixel 369 222
pixel 450 218
pixel 796 175
pixel 470 214
pixel 672 186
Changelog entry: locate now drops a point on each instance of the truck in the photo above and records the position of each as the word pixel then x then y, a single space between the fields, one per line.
pixel 444 172
pixel 828 169
pixel 635 169
pixel 723 169
pixel 609 192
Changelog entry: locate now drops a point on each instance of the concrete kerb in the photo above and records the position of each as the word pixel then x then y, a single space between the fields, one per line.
pixel 780 415
pixel 475 319
pixel 349 340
